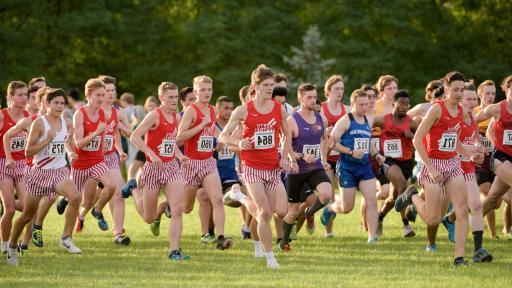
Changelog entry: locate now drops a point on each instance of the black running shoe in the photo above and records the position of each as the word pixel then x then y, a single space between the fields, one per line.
pixel 61 205
pixel 460 262
pixel 411 213
pixel 122 240
pixel 405 198
pixel 224 243
pixel 481 255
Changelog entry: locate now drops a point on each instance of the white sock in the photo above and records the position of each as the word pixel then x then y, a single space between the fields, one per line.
pixel 5 246
pixel 240 197
pixel 258 251
pixel 246 228
pixel 271 260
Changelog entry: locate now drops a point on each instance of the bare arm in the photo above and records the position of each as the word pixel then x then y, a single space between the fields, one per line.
pixel 492 110
pixel 339 129
pixel 184 130
pixel 150 121
pixel 227 136
pixel 36 131
pixel 433 115
pixel 324 142
pixel 21 125
pixel 78 122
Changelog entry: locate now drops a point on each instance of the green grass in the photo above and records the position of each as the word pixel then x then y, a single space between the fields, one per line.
pixel 344 261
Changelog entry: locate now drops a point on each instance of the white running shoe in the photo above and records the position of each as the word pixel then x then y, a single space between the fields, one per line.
pixel 68 245
pixel 12 257
pixel 408 231
pixel 272 263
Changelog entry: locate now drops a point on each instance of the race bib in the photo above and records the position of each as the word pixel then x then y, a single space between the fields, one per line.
pixel 376 144
pixel 94 145
pixel 393 148
pixel 167 148
pixel 487 144
pixel 312 149
pixel 56 149
pixel 448 142
pixel 362 144
pixel 507 137
pixel 205 144
pixel 225 153
pixel 18 143
pixel 264 139
pixel 109 142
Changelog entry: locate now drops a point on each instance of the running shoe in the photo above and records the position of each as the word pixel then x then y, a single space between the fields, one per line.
pixel 329 235
pixel 245 234
pixel 450 227
pixel 379 229
pixel 481 255
pixel 176 255
pixel 411 213
pixel 122 240
pixel 37 237
pixel 285 247
pixel 167 211
pixel 79 224
pixel 310 224
pixel 12 257
pixel 229 197
pixel 127 188
pixel 102 223
pixel 22 249
pixel 327 215
pixel 408 231
pixel 61 205
pixel 460 262
pixel 431 248
pixel 405 198
pixel 373 240
pixel 155 227
pixel 224 243
pixel 67 244
pixel 208 239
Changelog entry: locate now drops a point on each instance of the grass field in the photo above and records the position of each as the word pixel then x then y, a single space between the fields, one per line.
pixel 343 261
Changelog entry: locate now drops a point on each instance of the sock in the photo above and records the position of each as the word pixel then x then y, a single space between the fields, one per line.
pixel 315 207
pixel 270 256
pixel 258 252
pixel 246 228
pixel 287 230
pixel 5 246
pixel 405 221
pixel 477 239
pixel 64 238
pixel 381 217
pixel 240 197
pixel 37 227
pixel 211 231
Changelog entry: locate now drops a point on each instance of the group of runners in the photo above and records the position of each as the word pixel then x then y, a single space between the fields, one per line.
pixel 264 157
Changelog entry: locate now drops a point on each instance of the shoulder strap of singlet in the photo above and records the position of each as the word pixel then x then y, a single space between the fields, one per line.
pixel 351 117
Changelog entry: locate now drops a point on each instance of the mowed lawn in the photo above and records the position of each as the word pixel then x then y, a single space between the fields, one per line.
pixel 343 261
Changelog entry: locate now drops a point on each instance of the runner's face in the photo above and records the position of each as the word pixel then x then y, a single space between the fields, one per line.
pixel 56 106
pixel 371 98
pixel 336 91
pixel 19 99
pixel 169 99
pixel 469 100
pixel 360 106
pixel 151 106
pixel 508 92
pixel 454 91
pixel 225 110
pixel 401 106
pixel 390 90
pixel 96 97
pixel 110 93
pixel 488 94
pixel 32 102
pixel 189 99
pixel 203 92
pixel 265 88
pixel 308 100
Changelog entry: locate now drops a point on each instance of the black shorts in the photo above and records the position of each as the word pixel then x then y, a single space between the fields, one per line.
pixel 406 166
pixel 295 183
pixel 484 173
pixel 501 156
pixel 333 165
pixel 306 192
pixel 140 156
pixel 227 185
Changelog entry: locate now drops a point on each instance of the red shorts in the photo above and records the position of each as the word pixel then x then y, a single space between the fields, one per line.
pixel 17 174
pixel 196 170
pixel 470 177
pixel 448 168
pixel 42 182
pixel 79 176
pixel 156 176
pixel 112 161
pixel 270 178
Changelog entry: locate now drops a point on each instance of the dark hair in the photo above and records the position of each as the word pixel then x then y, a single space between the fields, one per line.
pixel 279 91
pixel 74 93
pixel 401 94
pixel 184 92
pixel 438 93
pixel 107 79
pixel 470 85
pixel 32 89
pixel 242 94
pixel 223 99
pixel 54 93
pixel 280 77
pixel 367 87
pixel 453 76
pixel 305 87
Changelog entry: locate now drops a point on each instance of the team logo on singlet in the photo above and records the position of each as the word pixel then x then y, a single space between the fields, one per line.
pixel 264 135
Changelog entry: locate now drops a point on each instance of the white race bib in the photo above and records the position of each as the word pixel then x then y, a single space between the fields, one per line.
pixel 167 148
pixel 376 144
pixel 393 148
pixel 56 149
pixel 487 144
pixel 94 145
pixel 225 153
pixel 109 142
pixel 507 137
pixel 448 142
pixel 362 144
pixel 264 139
pixel 312 149
pixel 205 144
pixel 18 143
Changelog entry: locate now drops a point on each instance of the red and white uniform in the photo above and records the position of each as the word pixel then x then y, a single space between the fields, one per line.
pixel 49 165
pixel 199 148
pixel 162 141
pixel 111 157
pixel 331 121
pixel 89 163
pixel 503 130
pixel 441 143
pixel 468 132
pixel 261 164
pixel 393 142
pixel 18 144
pixel 28 160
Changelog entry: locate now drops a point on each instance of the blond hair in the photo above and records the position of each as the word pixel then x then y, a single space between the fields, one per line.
pixel 330 82
pixel 93 84
pixel 13 85
pixel 357 94
pixel 485 83
pixel 261 73
pixel 384 81
pixel 201 79
pixel 166 86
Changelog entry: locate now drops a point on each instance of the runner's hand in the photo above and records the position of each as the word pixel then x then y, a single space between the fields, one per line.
pixel 9 163
pixel 122 157
pixel 358 154
pixel 435 175
pixel 245 144
pixel 185 161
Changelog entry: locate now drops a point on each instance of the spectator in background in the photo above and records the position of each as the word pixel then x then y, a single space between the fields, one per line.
pixel 135 114
pixel 74 102
pixel 280 94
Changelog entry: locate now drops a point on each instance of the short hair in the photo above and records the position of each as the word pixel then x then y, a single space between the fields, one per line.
pixel 278 77
pixel 93 84
pixel 279 91
pixel 150 99
pixel 74 93
pixel 261 73
pixel 13 85
pixel 368 87
pixel 107 79
pixel 243 92
pixel 384 81
pixel 36 79
pixel 357 94
pixel 201 79
pixel 431 86
pixel 305 88
pixel 41 94
pixel 438 93
pixel 505 84
pixel 52 93
pixel 453 76
pixel 331 81
pixel 401 94
pixel 127 97
pixel 166 86
pixel 184 92
pixel 32 89
pixel 223 99
pixel 485 83
pixel 470 85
